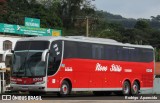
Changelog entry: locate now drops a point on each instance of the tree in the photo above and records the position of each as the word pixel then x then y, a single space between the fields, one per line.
pixel 3 10
pixel 142 24
pixel 74 10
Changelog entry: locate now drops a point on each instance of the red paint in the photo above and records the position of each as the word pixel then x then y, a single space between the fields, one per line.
pixel 85 75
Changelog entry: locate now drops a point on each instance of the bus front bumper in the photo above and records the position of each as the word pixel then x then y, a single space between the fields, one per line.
pixel 18 87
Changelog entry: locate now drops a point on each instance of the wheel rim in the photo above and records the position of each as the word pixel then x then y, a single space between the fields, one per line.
pixel 135 88
pixel 126 89
pixel 64 89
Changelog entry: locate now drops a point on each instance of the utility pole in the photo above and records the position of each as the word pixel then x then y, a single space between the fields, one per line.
pixel 87 27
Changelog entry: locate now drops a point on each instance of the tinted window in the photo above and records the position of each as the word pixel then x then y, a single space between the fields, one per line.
pixel 97 51
pixel 134 55
pixel 111 52
pixel 54 58
pixel 123 54
pixel 146 55
pixel 31 45
pixel 77 50
pixel 106 52
pixel 70 49
pixel 84 50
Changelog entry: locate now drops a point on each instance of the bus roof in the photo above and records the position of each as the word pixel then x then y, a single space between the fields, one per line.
pixel 84 39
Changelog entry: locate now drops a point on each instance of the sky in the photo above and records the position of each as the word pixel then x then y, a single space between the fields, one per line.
pixel 130 8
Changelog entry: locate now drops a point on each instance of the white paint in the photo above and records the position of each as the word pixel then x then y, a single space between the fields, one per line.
pixel 128 70
pixel 115 68
pixel 68 69
pixel 99 67
pixel 53 81
pixel 149 70
pixel 37 79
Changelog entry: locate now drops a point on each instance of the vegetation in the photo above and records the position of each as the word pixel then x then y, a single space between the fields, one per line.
pixel 70 16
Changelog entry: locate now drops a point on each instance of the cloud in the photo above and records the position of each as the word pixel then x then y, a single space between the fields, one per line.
pixel 130 8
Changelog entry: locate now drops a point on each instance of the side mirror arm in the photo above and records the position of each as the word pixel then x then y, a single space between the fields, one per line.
pixel 43 58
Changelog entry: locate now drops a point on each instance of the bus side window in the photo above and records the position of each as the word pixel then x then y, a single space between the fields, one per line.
pixel 84 50
pixel 147 55
pixel 97 52
pixel 70 49
pixel 94 52
pixel 111 53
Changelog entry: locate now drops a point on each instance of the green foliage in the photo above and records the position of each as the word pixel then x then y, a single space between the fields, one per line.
pixel 142 24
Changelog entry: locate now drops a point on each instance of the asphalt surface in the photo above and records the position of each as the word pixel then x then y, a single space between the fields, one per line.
pixel 78 98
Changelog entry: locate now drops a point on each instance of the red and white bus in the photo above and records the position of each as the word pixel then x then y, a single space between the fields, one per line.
pixel 66 64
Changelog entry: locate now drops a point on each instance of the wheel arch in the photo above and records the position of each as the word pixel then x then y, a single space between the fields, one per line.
pixel 68 80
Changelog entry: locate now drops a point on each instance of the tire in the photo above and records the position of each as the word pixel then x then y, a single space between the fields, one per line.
pixel 126 88
pixel 65 89
pixel 135 88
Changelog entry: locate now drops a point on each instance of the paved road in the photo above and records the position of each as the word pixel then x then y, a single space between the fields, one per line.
pixel 86 98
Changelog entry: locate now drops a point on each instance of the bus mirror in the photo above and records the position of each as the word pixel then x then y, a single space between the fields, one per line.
pixel 5 54
pixel 43 58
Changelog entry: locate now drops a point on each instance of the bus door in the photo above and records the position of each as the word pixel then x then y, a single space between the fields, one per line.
pixel 54 62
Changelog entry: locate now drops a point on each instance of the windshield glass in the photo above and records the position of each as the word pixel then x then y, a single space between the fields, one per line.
pixel 27 61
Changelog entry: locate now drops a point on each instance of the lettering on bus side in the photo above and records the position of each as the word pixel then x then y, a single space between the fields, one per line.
pixel 55 46
pixel 115 68
pixel 37 79
pixel 99 67
pixel 68 69
pixel 149 70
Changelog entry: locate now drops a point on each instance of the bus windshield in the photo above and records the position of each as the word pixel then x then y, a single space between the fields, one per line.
pixel 27 59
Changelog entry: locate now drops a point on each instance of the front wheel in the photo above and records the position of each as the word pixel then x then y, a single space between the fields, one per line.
pixel 126 88
pixel 135 88
pixel 65 89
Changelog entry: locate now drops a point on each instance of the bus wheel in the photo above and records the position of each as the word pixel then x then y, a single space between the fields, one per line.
pixel 135 88
pixel 126 88
pixel 65 89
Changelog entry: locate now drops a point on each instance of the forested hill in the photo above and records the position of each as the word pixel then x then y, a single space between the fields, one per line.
pixel 154 22
pixel 126 22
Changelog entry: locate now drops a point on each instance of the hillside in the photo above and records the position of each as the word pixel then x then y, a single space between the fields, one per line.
pixel 128 22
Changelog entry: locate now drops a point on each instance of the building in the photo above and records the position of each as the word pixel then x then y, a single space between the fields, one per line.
pixel 6 43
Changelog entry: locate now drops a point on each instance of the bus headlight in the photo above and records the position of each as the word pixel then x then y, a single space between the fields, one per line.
pixel 37 83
